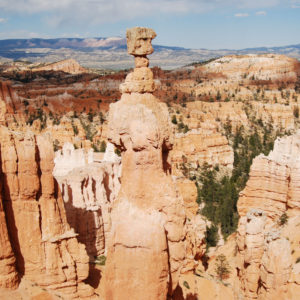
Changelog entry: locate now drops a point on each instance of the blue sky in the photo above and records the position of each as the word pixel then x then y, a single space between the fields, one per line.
pixel 212 24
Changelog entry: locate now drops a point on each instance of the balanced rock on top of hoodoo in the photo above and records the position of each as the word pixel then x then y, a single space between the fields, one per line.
pixel 149 237
pixel 139 45
pixel 139 41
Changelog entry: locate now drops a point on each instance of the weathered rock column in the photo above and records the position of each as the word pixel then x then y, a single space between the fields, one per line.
pixel 250 244
pixel 146 251
pixel 8 273
pixel 45 248
pixel 264 259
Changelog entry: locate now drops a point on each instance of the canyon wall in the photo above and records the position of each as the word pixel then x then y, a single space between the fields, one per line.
pixel 45 248
pixel 9 102
pixel 8 273
pixel 273 184
pixel 197 147
pixel 263 67
pixel 268 233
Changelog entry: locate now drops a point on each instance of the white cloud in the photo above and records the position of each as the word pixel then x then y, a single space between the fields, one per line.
pixel 295 3
pixel 76 12
pixel 2 20
pixel 261 13
pixel 241 15
pixel 18 34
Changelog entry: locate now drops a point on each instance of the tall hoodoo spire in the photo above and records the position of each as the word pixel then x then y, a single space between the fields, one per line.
pixel 148 239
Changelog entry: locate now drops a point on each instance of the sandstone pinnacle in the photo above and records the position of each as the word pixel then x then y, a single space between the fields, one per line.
pixel 149 237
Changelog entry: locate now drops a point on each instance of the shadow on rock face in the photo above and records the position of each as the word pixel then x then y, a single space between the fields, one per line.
pixel 94 276
pixel 178 295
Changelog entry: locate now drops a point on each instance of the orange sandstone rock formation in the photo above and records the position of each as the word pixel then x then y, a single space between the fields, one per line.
pixel 89 188
pixel 262 67
pixel 222 111
pixel 264 259
pixel 8 95
pixel 198 147
pixel 279 115
pixel 9 101
pixel 273 185
pixel 45 248
pixel 8 273
pixel 148 217
pixel 68 66
pixel 267 248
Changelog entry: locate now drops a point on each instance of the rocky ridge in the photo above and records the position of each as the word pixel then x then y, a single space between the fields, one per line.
pixel 68 66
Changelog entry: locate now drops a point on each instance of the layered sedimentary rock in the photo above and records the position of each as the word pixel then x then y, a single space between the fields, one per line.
pixel 268 248
pixel 224 112
pixel 205 142
pixel 274 182
pixel 198 147
pixel 8 95
pixel 148 217
pixel 8 273
pixel 264 259
pixel 276 267
pixel 89 188
pixel 250 242
pixel 188 190
pixel 262 67
pixel 68 66
pixel 291 233
pixel 9 102
pixel 279 115
pixel 64 131
pixel 264 77
pixel 45 247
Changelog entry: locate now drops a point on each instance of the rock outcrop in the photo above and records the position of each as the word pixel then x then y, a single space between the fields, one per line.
pixel 274 183
pixel 89 188
pixel 44 246
pixel 68 66
pixel 8 274
pixel 264 259
pixel 250 243
pixel 210 112
pixel 279 115
pixel 8 95
pixel 9 104
pixel 268 237
pixel 262 67
pixel 198 147
pixel 148 217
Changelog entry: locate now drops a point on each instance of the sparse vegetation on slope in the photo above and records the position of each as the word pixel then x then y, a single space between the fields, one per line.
pixel 218 192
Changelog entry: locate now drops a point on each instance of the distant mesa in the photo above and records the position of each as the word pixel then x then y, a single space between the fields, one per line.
pixel 68 66
pixel 72 43
pixel 111 52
